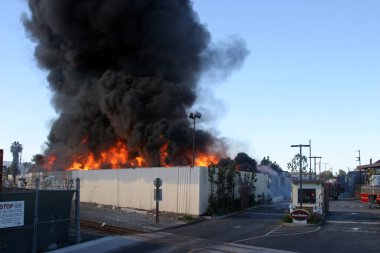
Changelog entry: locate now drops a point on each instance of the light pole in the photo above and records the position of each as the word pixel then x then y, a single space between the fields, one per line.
pixel 195 115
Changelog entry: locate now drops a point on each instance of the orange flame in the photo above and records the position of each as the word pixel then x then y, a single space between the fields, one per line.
pixel 164 154
pixel 206 160
pixel 48 163
pixel 118 156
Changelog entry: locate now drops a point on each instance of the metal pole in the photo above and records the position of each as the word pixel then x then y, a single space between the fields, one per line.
pixel 157 206
pixel 300 146
pixel 35 221
pixel 301 175
pixel 310 159
pixel 315 165
pixel 77 211
pixel 193 163
pixel 358 158
pixel 315 168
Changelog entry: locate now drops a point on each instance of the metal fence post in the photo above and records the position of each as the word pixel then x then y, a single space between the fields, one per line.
pixel 77 211
pixel 35 221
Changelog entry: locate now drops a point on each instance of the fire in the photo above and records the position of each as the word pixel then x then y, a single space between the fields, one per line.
pixel 115 157
pixel 48 163
pixel 118 156
pixel 206 160
pixel 164 154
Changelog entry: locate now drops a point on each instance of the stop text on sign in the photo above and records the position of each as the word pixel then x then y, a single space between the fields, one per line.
pixel 6 206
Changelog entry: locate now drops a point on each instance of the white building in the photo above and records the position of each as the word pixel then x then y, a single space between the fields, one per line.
pixel 184 189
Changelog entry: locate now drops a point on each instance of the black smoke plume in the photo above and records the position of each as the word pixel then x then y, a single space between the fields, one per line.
pixel 125 70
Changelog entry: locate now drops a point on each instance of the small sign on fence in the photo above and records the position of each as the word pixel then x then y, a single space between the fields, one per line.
pixel 11 214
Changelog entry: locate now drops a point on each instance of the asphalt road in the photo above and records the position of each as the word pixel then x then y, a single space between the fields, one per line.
pixel 349 227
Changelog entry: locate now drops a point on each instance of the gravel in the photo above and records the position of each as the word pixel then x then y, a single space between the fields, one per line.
pixel 140 220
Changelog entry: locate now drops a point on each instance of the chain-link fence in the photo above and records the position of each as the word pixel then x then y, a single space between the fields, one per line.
pixel 39 212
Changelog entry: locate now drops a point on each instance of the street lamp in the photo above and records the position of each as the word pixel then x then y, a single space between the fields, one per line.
pixel 195 115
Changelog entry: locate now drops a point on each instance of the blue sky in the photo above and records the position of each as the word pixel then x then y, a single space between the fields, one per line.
pixel 312 73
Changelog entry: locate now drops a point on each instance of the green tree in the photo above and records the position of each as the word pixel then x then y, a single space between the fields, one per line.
pixel 245 163
pixel 267 162
pixel 342 173
pixel 294 165
pixel 16 149
pixel 326 175
pixel 223 179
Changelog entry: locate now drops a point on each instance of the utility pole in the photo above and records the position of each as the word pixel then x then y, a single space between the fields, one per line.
pixel 325 165
pixel 315 165
pixel 310 159
pixel 300 192
pixel 358 158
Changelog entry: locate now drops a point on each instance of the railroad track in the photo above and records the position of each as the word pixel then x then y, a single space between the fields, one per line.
pixel 107 228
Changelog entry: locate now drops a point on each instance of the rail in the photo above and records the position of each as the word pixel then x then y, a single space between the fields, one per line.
pixel 108 228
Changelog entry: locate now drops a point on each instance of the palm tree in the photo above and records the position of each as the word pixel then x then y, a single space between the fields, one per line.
pixel 16 149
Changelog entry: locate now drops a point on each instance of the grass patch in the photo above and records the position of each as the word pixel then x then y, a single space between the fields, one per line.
pixel 315 218
pixel 287 219
pixel 186 218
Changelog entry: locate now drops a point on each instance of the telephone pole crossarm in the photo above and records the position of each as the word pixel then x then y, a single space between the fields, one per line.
pixel 315 164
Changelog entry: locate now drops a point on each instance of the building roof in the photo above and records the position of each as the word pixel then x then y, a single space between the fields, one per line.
pixel 317 181
pixel 375 165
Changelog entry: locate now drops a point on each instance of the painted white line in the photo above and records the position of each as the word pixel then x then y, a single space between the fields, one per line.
pixel 251 238
pixel 274 214
pixel 298 233
pixel 353 222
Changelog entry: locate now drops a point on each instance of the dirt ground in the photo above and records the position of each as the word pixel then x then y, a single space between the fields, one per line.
pixel 140 220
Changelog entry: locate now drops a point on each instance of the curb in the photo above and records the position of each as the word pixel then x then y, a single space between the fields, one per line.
pixel 302 225
pixel 196 221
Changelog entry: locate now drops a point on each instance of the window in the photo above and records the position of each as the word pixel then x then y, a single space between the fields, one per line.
pixel 308 196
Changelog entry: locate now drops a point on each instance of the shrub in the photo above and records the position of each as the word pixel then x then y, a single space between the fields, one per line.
pixel 315 218
pixel 286 219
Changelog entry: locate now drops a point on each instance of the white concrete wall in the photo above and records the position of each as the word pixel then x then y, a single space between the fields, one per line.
pixel 184 189
pixel 181 188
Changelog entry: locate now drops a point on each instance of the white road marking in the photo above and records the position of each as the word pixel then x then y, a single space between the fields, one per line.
pixel 274 214
pixel 353 222
pixel 275 232
pixel 251 238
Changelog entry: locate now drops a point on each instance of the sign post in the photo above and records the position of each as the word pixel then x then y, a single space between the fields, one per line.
pixel 157 195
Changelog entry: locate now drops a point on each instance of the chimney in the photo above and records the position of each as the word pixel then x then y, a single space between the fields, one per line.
pixel 370 161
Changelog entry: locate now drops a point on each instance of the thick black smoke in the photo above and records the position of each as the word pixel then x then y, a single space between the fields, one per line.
pixel 125 70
